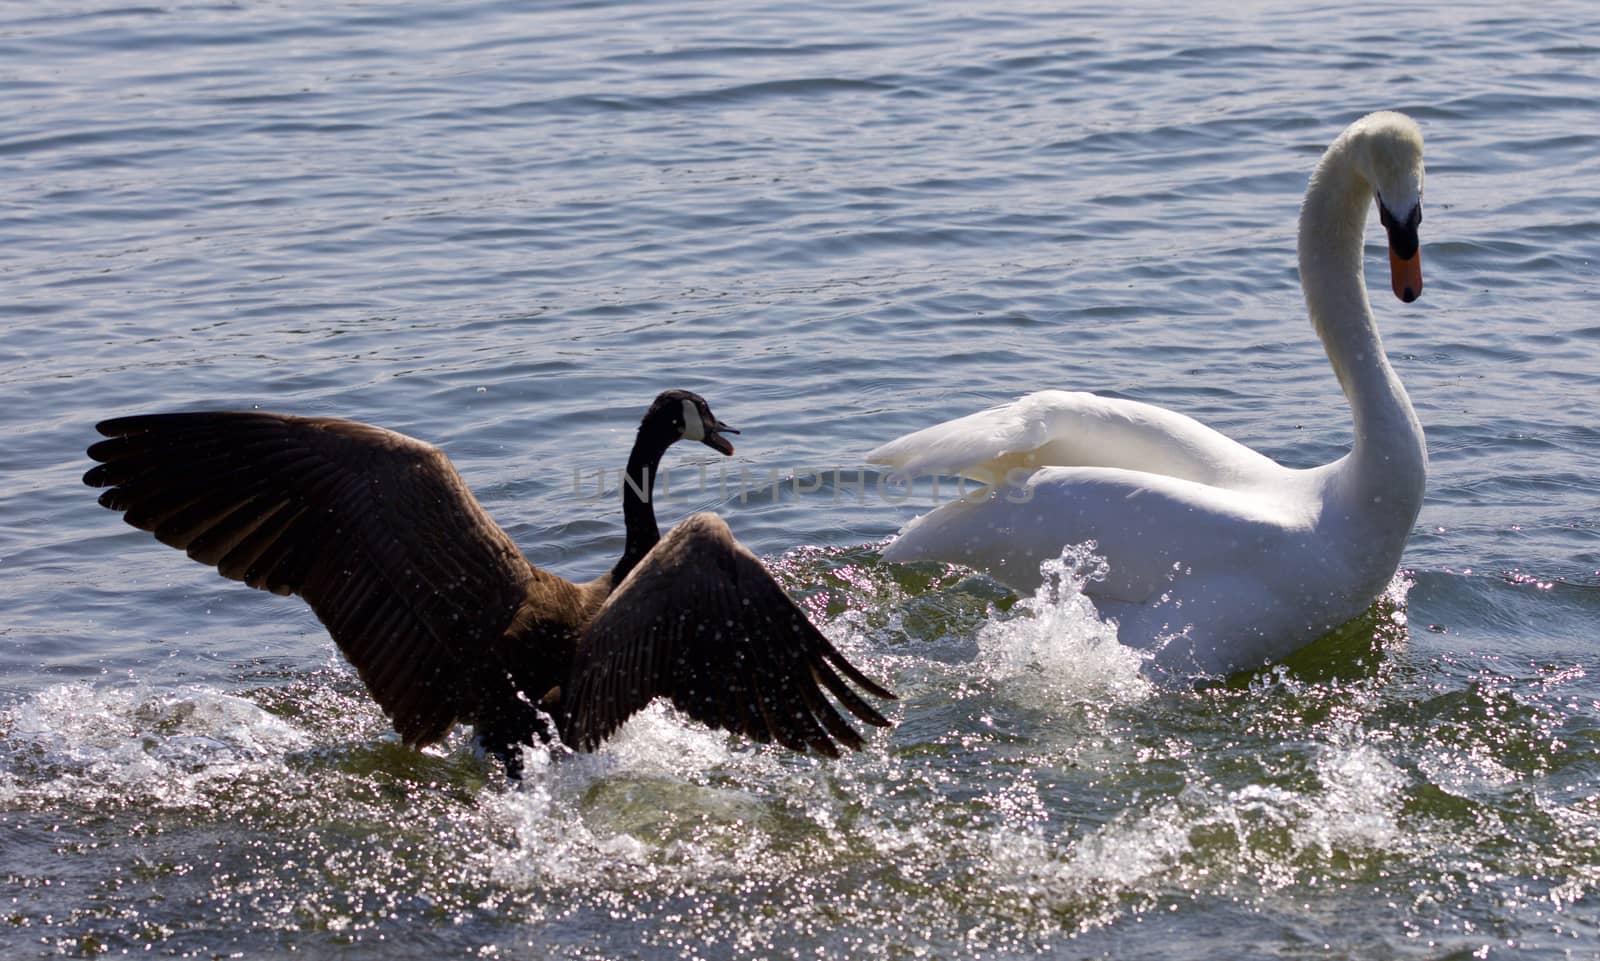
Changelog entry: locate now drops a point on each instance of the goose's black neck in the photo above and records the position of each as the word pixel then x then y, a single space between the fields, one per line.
pixel 638 511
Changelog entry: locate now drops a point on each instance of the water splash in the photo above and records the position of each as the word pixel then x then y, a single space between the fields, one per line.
pixel 1358 808
pixel 663 798
pixel 1207 839
pixel 93 743
pixel 1060 649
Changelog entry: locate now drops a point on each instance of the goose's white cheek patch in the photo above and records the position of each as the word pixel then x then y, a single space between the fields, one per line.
pixel 694 428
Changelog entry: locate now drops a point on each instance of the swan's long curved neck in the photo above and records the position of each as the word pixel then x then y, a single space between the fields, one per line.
pixel 1388 458
pixel 638 510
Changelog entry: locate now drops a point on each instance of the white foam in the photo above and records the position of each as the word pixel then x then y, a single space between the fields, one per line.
pixel 1206 835
pixel 616 816
pixel 658 741
pixel 1359 805
pixel 83 741
pixel 1060 649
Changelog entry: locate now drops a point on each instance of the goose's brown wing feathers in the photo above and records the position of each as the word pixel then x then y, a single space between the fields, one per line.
pixel 374 529
pixel 702 622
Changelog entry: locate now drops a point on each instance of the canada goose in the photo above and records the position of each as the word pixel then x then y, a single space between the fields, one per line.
pixel 443 617
pixel 1227 558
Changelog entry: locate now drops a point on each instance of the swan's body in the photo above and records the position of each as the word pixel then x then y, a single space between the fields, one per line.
pixel 1219 558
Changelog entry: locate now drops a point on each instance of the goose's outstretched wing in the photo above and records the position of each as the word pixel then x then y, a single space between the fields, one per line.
pixel 374 529
pixel 700 621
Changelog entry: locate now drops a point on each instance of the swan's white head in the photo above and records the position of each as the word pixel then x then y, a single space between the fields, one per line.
pixel 1385 148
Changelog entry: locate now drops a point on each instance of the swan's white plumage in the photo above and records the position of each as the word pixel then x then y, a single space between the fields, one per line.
pixel 1220 558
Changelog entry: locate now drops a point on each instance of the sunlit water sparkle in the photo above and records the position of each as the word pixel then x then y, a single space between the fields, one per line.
pixel 503 227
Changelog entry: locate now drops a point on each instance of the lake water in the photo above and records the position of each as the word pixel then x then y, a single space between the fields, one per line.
pixel 503 227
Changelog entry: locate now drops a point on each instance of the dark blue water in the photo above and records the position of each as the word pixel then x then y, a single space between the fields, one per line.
pixel 504 227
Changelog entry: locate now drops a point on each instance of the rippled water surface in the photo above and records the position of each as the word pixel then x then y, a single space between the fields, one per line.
pixel 503 227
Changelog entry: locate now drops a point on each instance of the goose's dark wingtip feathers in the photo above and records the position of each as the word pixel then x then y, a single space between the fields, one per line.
pixel 862 681
pixel 114 427
pixel 828 750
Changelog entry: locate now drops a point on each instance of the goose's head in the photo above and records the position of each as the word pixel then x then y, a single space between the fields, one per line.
pixel 684 415
pixel 1387 149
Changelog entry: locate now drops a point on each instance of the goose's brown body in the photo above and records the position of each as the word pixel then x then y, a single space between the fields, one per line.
pixel 444 618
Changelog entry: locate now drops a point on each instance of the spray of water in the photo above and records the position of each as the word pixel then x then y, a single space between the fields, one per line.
pixel 167 747
pixel 1058 649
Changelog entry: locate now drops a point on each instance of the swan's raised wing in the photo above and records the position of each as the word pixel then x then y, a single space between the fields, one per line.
pixel 374 529
pixel 1058 428
pixel 700 621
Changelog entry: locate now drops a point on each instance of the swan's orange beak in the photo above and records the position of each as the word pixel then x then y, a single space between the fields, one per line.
pixel 1406 275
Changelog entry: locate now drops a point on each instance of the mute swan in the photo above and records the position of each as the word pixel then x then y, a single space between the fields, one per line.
pixel 1220 559
pixel 441 614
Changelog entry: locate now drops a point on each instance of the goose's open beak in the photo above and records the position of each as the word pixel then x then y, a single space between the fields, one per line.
pixel 1406 275
pixel 716 441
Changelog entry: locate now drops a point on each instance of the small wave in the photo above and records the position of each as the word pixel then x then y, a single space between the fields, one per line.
pixel 78 741
pixel 1205 838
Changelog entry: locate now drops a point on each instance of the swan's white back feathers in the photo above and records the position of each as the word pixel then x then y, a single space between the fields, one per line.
pixel 1068 428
